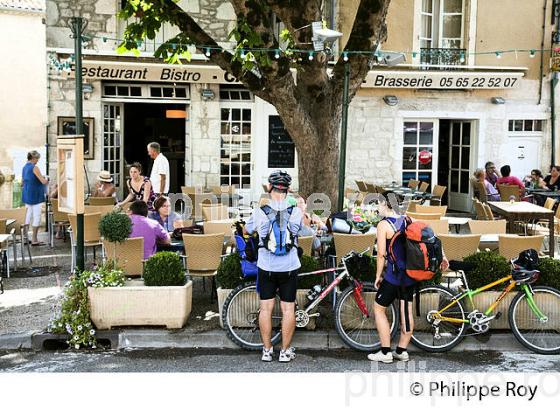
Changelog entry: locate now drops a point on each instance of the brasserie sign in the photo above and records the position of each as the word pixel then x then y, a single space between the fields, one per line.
pixel 211 74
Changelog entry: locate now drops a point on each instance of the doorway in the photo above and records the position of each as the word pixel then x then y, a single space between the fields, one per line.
pixel 147 122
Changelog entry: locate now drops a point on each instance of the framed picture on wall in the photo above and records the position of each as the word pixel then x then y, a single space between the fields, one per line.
pixel 67 126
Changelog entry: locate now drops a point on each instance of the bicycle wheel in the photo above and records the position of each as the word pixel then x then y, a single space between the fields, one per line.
pixel 355 329
pixel 539 335
pixel 430 334
pixel 240 317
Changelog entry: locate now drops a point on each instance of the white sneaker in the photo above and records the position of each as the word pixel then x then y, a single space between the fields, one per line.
pixel 403 357
pixel 267 354
pixel 380 357
pixel 287 355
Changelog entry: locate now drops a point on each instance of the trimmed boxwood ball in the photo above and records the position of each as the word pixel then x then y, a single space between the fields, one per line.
pixel 115 226
pixel 164 269
pixel 489 266
pixel 309 264
pixel 550 272
pixel 229 274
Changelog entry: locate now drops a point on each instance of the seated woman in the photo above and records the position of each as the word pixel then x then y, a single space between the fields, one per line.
pixel 491 192
pixel 536 179
pixel 139 187
pixel 552 181
pixel 164 216
pixel 104 186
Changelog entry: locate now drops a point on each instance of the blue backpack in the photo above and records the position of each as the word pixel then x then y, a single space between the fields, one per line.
pixel 247 247
pixel 279 240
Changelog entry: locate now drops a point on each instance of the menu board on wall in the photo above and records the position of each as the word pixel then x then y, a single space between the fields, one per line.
pixel 281 148
pixel 70 163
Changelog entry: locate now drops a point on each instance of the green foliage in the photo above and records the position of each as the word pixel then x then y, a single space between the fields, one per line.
pixel 550 272
pixel 229 274
pixel 164 269
pixel 72 315
pixel 115 226
pixel 106 275
pixel 247 38
pixel 309 264
pixel 489 266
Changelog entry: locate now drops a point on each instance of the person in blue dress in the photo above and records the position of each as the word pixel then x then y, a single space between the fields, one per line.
pixel 33 194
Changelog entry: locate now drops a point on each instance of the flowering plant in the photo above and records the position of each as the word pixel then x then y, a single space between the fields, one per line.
pixel 364 219
pixel 72 316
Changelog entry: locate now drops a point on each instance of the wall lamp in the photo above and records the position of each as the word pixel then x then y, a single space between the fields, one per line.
pixel 498 100
pixel 391 100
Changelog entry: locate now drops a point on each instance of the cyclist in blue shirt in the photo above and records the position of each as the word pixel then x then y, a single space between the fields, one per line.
pixel 277 273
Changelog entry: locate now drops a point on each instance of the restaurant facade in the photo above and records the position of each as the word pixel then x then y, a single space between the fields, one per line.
pixel 460 99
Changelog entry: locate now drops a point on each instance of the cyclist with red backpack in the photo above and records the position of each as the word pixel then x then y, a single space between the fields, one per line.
pixel 278 263
pixel 411 252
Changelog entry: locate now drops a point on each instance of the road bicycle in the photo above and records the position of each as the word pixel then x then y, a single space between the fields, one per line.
pixel 444 319
pixel 352 314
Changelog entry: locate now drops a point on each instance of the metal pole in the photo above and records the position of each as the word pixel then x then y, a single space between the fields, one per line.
pixel 343 134
pixel 553 83
pixel 77 28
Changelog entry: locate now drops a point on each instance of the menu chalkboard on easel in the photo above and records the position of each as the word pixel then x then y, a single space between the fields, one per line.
pixel 281 148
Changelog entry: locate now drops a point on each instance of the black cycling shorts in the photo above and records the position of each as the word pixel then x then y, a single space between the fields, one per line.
pixel 285 283
pixel 388 292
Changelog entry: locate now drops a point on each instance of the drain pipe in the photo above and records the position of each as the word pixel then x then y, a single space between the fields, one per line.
pixel 542 51
pixel 553 82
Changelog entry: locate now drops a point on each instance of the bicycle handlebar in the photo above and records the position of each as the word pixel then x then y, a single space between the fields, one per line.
pixel 352 253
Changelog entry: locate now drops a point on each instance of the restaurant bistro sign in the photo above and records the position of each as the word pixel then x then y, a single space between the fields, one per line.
pixel 211 74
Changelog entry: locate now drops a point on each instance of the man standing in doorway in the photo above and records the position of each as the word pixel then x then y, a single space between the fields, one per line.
pixel 159 176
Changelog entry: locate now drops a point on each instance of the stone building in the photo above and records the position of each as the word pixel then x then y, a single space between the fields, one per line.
pixel 459 100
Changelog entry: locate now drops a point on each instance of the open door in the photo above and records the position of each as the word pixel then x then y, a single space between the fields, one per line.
pixel 460 143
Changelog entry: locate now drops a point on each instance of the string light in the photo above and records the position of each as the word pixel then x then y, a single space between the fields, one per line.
pixel 310 56
pixel 242 54
pixel 532 54
pixel 277 54
pixel 207 52
pixel 498 54
pixel 345 56
pixel 462 57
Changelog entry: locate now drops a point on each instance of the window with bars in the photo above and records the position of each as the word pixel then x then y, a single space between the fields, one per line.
pixel 235 158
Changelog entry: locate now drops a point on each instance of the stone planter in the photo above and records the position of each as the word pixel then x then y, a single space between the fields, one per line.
pixel 300 297
pixel 139 305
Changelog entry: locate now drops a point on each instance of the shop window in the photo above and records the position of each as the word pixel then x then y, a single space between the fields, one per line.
pixel 235 93
pixel 418 136
pixel 525 126
pixel 235 153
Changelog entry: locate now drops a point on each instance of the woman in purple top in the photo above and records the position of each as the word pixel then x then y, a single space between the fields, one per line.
pixel 33 193
pixel 152 232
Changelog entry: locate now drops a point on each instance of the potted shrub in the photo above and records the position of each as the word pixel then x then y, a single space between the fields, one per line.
pixel 229 276
pixel 163 297
pixel 114 227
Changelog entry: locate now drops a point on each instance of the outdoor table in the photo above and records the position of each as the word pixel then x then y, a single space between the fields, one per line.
pixel 456 221
pixel 526 211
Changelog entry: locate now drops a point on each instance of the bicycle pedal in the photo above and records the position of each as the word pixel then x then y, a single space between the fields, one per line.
pixel 314 314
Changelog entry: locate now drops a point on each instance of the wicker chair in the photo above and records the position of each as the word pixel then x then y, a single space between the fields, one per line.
pixel 129 255
pixel 497 226
pixel 59 218
pixel 431 209
pixel 412 204
pixel 92 239
pixel 507 191
pixel 439 226
pixel 480 211
pixel 509 246
pixel 264 200
pixel 549 203
pixel 306 243
pixel 20 229
pixel 457 247
pixel 479 191
pixel 101 209
pixel 423 216
pixel 344 243
pixel 203 254
pixel 187 190
pixel 437 194
pixel 423 187
pixel 214 212
pixel 371 188
pixel 413 183
pixel 99 201
pixel 488 211
pixel 223 227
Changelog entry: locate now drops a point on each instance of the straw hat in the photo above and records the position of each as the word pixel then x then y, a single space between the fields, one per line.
pixel 104 176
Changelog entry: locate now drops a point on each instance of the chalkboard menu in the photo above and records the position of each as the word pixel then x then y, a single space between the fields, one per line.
pixel 281 148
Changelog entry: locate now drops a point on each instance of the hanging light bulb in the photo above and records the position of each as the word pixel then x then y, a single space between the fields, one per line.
pixel 310 56
pixel 207 53
pixel 498 54
pixel 277 54
pixel 414 54
pixel 345 56
pixel 462 57
pixel 532 54
pixel 243 54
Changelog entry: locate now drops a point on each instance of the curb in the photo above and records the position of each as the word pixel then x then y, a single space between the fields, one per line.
pixel 217 339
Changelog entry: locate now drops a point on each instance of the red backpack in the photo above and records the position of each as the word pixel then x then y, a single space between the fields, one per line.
pixel 422 249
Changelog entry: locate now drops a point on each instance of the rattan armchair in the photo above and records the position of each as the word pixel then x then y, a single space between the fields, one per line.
pixel 424 216
pixel 509 246
pixel 101 200
pixel 439 226
pixel 437 194
pixel 413 183
pixel 431 209
pixel 214 212
pixel 128 255
pixel 306 243
pixel 508 191
pixel 457 247
pixel 423 186
pixel 497 226
pixel 92 238
pixel 56 218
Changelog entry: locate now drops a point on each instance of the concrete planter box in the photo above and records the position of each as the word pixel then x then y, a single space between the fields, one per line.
pixel 484 300
pixel 254 299
pixel 139 305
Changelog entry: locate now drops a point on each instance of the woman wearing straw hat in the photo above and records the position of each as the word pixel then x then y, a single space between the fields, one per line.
pixel 104 186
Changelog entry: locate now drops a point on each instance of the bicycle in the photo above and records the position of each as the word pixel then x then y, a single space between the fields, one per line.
pixel 354 323
pixel 534 313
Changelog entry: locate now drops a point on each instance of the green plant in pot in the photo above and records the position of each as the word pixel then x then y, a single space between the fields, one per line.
pixel 164 269
pixel 309 264
pixel 550 272
pixel 488 267
pixel 229 274
pixel 115 227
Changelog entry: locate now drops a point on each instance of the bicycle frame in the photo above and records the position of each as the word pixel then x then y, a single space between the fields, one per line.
pixel 471 293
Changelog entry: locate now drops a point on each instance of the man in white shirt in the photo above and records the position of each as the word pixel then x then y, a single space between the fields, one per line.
pixel 159 176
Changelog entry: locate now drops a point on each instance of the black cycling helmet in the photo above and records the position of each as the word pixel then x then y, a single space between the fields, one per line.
pixel 528 259
pixel 280 180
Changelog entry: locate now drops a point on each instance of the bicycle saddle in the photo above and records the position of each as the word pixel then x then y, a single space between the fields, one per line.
pixel 521 275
